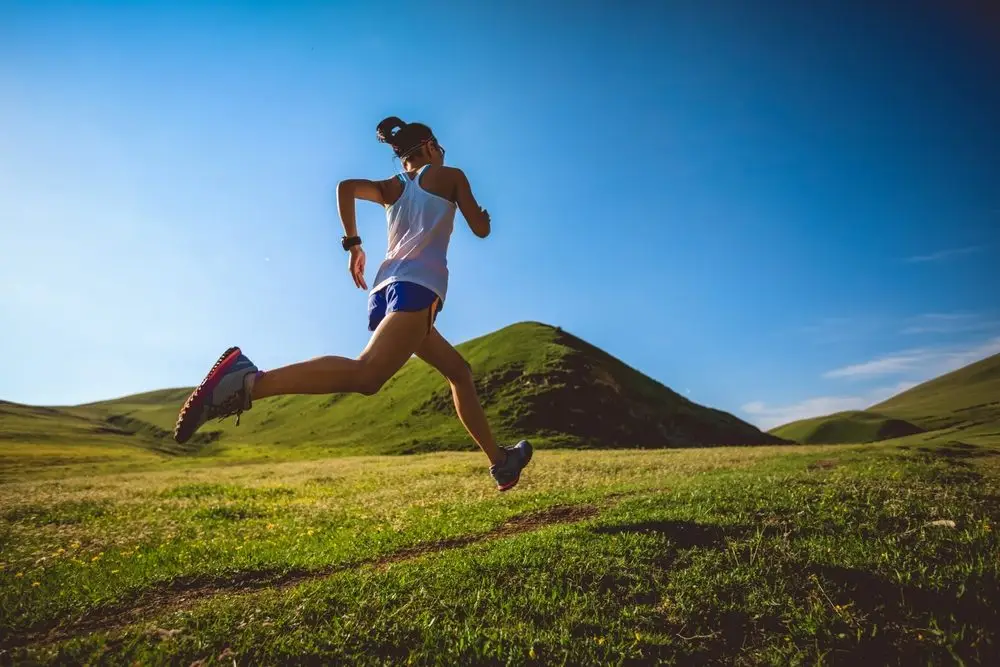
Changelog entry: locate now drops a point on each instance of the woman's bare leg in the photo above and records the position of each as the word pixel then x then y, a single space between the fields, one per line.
pixel 439 353
pixel 394 341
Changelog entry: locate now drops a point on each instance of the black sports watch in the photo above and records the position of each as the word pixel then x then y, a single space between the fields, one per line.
pixel 350 241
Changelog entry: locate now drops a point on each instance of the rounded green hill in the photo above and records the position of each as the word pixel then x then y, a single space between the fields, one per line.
pixel 854 426
pixel 535 381
pixel 961 405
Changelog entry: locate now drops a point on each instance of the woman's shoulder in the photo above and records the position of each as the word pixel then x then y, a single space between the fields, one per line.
pixel 453 176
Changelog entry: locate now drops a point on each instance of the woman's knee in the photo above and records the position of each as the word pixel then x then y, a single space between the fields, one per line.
pixel 462 376
pixel 369 381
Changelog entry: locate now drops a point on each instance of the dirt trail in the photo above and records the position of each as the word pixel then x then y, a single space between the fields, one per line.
pixel 184 592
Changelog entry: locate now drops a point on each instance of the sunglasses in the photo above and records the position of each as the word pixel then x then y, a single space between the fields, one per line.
pixel 422 144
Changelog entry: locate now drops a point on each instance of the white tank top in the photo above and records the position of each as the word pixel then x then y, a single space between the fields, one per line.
pixel 420 226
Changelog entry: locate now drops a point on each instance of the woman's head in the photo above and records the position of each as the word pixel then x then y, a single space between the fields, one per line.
pixel 413 143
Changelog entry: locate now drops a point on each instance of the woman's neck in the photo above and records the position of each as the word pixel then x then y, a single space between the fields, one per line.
pixel 413 166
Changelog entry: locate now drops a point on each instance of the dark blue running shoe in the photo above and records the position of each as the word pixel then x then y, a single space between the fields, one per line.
pixel 508 473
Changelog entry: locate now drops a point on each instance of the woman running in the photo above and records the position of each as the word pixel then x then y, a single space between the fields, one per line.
pixel 409 291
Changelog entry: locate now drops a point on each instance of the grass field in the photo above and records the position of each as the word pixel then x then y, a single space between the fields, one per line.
pixel 882 554
pixel 306 538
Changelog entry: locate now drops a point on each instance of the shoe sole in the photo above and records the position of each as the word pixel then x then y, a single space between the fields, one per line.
pixel 185 428
pixel 511 485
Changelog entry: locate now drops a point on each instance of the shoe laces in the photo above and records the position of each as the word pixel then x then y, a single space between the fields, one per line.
pixel 236 404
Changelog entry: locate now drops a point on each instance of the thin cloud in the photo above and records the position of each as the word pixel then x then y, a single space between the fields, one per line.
pixel 948 323
pixel 892 364
pixel 942 255
pixel 769 416
pixel 829 330
pixel 925 362
pixel 911 367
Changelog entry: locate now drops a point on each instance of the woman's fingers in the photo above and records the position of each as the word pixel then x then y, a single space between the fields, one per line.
pixel 356 267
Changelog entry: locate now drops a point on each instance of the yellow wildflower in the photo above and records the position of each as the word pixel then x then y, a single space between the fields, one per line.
pixel 35 584
pixel 311 531
pixel 19 575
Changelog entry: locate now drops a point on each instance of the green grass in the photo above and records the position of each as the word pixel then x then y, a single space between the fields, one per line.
pixel 765 555
pixel 256 546
pixel 853 426
pixel 532 378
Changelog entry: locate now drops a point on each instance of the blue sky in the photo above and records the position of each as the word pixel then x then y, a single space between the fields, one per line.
pixel 776 213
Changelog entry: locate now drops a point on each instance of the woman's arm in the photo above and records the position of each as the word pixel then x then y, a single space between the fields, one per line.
pixel 347 191
pixel 356 188
pixel 477 217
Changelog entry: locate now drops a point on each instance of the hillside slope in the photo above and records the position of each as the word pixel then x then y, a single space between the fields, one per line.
pixel 962 404
pixel 853 426
pixel 34 425
pixel 34 437
pixel 969 395
pixel 535 381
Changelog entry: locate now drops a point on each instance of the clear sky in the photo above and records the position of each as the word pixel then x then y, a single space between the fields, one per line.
pixel 777 213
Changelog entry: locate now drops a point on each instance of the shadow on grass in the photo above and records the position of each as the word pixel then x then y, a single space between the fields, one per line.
pixel 954 450
pixel 869 619
pixel 911 620
pixel 682 534
pixel 959 450
pixel 883 623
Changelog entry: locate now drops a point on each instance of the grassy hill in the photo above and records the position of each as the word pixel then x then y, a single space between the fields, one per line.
pixel 852 426
pixel 535 380
pixel 969 396
pixel 57 439
pixel 963 404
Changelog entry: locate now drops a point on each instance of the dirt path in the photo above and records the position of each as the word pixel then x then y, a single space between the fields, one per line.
pixel 185 592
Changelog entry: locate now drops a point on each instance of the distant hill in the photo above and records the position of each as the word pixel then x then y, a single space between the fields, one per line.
pixel 853 426
pixel 535 381
pixel 36 425
pixel 961 404
pixel 967 396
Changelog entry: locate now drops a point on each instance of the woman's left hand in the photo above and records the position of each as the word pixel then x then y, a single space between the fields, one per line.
pixel 357 267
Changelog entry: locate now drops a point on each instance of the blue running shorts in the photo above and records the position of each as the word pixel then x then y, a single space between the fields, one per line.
pixel 403 297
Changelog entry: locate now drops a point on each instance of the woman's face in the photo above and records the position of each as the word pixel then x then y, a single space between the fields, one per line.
pixel 436 153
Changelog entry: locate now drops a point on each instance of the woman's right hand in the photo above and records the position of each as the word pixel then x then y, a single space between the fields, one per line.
pixel 356 266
